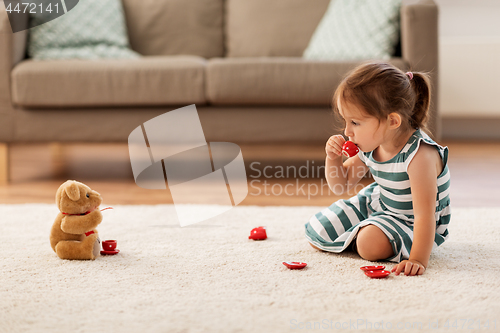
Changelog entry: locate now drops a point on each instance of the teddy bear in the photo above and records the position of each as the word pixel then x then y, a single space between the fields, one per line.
pixel 73 235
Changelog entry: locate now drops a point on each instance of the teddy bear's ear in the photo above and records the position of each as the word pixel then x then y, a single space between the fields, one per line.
pixel 73 191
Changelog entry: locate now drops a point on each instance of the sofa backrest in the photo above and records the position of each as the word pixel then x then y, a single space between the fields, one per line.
pixel 256 28
pixel 217 28
pixel 172 27
pixel 224 28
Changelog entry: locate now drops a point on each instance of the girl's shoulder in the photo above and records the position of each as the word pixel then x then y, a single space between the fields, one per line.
pixel 426 156
pixel 426 150
pixel 400 162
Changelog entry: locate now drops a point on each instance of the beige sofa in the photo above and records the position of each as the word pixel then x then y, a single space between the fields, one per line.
pixel 239 61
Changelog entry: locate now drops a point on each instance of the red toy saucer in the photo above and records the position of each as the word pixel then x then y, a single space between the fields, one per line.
pixel 112 252
pixel 294 264
pixel 377 274
pixel 372 268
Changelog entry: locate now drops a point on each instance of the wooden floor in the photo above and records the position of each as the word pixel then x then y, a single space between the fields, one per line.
pixel 38 170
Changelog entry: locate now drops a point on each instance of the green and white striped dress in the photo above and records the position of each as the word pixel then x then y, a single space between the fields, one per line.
pixel 386 203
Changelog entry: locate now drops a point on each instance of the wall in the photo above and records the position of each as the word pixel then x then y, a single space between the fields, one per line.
pixel 469 58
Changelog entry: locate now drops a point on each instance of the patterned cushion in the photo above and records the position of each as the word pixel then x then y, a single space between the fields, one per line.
pixel 93 29
pixel 356 30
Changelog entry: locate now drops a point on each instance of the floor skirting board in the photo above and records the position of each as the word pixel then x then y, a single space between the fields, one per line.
pixel 471 128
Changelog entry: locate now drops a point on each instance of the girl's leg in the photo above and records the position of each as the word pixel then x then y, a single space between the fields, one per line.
pixel 372 244
pixel 331 229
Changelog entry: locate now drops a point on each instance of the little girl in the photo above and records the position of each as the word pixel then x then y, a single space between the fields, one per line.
pixel 405 212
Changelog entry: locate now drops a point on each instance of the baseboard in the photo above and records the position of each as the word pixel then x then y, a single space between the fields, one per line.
pixel 470 128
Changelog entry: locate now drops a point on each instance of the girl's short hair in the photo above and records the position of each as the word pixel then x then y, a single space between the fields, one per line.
pixel 380 88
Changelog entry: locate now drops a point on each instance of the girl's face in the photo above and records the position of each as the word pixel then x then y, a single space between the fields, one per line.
pixel 366 131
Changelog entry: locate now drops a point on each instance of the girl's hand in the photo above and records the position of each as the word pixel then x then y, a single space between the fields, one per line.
pixel 334 146
pixel 410 267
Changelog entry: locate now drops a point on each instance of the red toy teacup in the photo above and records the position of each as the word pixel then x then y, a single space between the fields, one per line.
pixel 258 233
pixel 349 149
pixel 109 245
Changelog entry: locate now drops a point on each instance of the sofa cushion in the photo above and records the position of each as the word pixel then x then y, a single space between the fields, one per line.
pixel 356 30
pixel 261 28
pixel 93 29
pixel 175 27
pixel 165 80
pixel 276 80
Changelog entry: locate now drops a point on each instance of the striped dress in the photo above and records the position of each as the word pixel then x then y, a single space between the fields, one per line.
pixel 386 203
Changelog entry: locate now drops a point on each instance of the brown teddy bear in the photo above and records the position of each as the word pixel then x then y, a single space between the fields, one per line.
pixel 73 234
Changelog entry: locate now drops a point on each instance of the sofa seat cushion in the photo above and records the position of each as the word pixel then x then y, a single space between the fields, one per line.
pixel 162 80
pixel 276 81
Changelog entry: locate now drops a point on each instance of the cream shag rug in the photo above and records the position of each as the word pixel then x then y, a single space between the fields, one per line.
pixel 209 277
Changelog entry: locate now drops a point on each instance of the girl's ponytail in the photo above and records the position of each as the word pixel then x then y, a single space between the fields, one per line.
pixel 421 85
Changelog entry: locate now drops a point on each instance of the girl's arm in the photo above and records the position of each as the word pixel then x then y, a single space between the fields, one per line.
pixel 423 171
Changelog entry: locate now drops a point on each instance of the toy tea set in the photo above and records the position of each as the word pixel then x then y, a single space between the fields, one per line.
pixel 74 236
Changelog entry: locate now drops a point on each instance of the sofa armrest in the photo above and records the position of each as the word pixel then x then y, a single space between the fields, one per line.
pixel 6 62
pixel 419 48
pixel 6 51
pixel 19 44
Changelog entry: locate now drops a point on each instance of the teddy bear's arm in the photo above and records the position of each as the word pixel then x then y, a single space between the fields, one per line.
pixel 77 224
